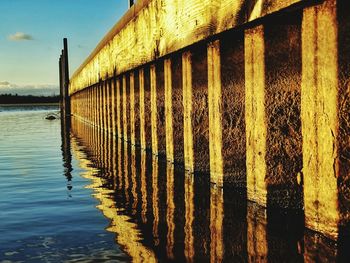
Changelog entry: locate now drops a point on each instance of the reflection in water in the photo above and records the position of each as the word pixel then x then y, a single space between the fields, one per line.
pixel 189 214
pixel 170 211
pixel 161 213
pixel 66 153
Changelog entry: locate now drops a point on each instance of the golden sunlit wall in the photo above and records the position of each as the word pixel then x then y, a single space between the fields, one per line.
pixel 264 107
pixel 154 28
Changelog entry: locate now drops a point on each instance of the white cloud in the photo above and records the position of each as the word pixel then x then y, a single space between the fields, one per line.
pixel 36 90
pixel 20 36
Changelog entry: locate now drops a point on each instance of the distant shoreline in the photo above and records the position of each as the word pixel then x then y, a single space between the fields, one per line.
pixel 10 99
pixel 30 104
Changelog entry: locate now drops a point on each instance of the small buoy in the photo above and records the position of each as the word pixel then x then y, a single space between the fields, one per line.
pixel 51 117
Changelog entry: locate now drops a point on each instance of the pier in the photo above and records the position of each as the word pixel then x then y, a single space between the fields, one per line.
pixel 253 95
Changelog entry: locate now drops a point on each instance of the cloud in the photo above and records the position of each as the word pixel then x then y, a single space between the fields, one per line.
pixel 4 83
pixel 37 90
pixel 20 36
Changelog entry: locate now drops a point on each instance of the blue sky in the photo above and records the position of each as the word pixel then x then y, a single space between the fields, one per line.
pixel 31 33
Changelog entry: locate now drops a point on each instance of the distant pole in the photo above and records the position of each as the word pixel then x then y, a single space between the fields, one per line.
pixel 131 3
pixel 66 77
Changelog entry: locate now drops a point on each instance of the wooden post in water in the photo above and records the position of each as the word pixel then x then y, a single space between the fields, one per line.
pixel 66 78
pixel 215 113
pixel 255 114
pixel 187 105
pixel 319 114
pixel 168 110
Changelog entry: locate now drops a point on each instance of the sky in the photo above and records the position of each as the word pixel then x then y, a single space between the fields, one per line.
pixel 31 39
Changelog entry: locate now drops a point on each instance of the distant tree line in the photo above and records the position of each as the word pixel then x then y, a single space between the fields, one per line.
pixel 24 99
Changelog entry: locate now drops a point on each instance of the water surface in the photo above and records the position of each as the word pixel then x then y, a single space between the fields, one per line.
pixel 81 195
pixel 45 216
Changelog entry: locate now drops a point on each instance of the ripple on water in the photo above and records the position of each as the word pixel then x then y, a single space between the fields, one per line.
pixel 41 220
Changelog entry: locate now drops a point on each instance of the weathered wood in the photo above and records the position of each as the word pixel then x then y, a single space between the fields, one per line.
pixel 255 114
pixel 168 110
pixel 125 110
pixel 118 111
pixel 155 28
pixel 142 109
pixel 319 112
pixel 187 106
pixel 215 113
pixel 132 108
pixel 153 77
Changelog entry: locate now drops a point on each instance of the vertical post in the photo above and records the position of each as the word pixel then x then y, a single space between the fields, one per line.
pixel 66 78
pixel 168 110
pixel 113 106
pixel 142 109
pixel 255 114
pixel 119 129
pixel 215 113
pixel 187 104
pixel 154 109
pixel 125 112
pixel 132 108
pixel 319 115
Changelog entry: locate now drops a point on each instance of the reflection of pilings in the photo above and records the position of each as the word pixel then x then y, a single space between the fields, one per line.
pixel 216 224
pixel 256 232
pixel 155 201
pixel 66 151
pixel 189 217
pixel 143 187
pixel 134 176
pixel 127 234
pixel 170 210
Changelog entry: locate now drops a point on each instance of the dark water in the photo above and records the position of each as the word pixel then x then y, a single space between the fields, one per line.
pixel 87 197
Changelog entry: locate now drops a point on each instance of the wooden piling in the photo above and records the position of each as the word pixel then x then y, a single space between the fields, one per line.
pixel 142 109
pixel 168 110
pixel 154 126
pixel 215 113
pixel 187 104
pixel 319 110
pixel 132 108
pixel 255 114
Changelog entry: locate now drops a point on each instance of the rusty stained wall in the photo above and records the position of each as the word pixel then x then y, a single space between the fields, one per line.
pixel 155 28
pixel 233 109
pixel 177 106
pixel 200 113
pixel 282 98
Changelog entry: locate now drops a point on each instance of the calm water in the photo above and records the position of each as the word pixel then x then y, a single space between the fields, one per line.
pixel 85 197
pixel 45 217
